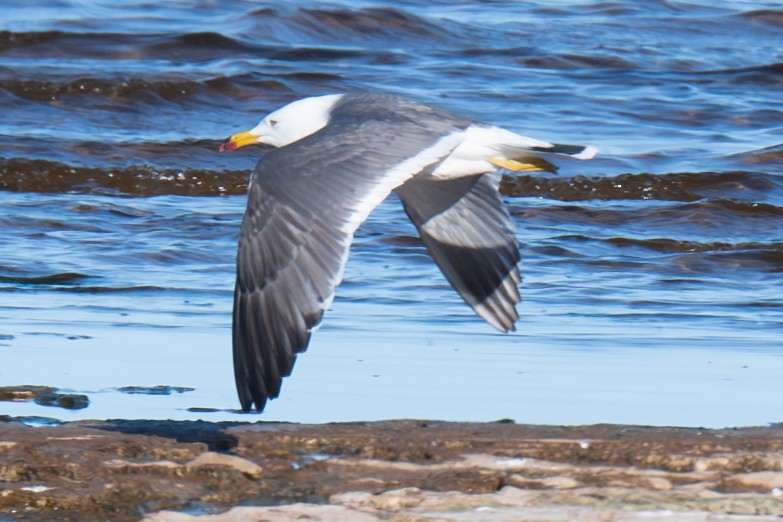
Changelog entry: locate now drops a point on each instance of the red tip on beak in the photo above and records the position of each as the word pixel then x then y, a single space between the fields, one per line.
pixel 229 144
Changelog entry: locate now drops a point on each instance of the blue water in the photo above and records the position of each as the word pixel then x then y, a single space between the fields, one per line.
pixel 652 274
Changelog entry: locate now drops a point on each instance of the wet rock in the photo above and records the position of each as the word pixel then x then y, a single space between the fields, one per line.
pixel 766 480
pixel 270 514
pixel 35 489
pixel 127 465
pixel 394 500
pixel 393 470
pixel 76 437
pixel 69 401
pixel 212 459
pixel 154 390
pixel 45 396
pixel 560 482
pixel 213 434
pixel 23 393
pixel 659 483
pixel 31 420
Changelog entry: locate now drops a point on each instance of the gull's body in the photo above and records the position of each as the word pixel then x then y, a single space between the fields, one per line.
pixel 340 156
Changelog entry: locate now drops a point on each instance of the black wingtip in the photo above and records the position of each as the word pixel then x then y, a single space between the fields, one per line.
pixel 253 405
pixel 260 403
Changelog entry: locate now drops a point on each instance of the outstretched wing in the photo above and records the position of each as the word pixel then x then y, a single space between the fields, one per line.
pixel 305 202
pixel 469 234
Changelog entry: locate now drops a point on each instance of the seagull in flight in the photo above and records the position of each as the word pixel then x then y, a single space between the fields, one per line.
pixel 337 158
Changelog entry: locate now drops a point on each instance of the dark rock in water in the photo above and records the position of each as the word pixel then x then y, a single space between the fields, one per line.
pixel 198 409
pixel 51 279
pixel 45 396
pixel 154 390
pixel 210 433
pixel 31 420
pixel 23 393
pixel 70 401
pixel 16 174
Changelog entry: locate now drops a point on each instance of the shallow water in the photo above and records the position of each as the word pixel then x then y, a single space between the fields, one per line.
pixel 652 274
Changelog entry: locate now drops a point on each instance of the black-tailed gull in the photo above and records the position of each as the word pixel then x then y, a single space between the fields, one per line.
pixel 339 157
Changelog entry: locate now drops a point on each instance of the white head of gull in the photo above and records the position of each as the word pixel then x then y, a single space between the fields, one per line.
pixel 339 157
pixel 287 124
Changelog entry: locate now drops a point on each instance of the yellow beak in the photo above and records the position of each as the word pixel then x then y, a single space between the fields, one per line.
pixel 240 139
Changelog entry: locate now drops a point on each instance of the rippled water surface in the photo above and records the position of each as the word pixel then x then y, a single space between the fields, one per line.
pixel 653 275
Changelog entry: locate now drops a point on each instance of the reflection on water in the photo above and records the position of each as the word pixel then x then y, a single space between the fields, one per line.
pixel 652 274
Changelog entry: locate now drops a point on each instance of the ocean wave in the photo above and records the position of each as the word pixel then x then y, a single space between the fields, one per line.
pixel 765 16
pixel 66 282
pixel 767 155
pixel 669 255
pixel 345 24
pixel 691 186
pixel 267 34
pixel 368 21
pixel 765 74
pixel 577 61
pixel 21 175
pixel 200 46
pixel 671 246
pixel 63 278
pixel 153 89
pixel 187 47
pixel 737 192
pixel 125 88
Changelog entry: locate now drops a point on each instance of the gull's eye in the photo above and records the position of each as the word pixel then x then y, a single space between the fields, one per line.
pixel 273 123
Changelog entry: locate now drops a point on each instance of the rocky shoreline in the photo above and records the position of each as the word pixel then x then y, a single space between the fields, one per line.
pixel 172 471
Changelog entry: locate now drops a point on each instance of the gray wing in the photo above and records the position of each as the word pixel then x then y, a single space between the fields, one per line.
pixel 288 263
pixel 469 234
pixel 304 204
